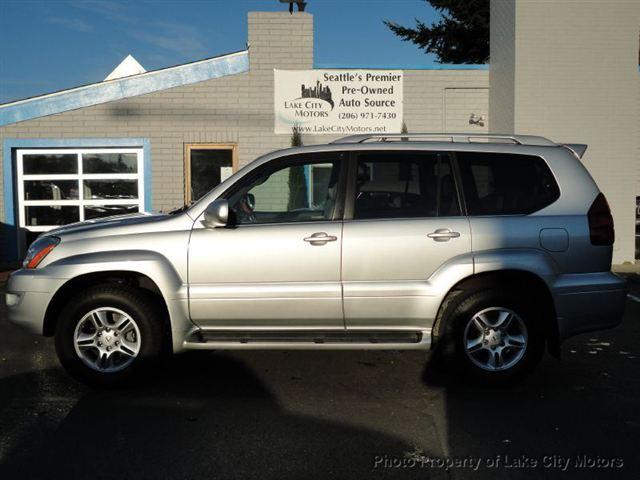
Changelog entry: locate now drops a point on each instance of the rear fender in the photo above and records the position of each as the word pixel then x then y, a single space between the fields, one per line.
pixel 478 267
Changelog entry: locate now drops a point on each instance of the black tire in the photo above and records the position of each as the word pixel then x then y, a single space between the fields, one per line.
pixel 137 305
pixel 460 310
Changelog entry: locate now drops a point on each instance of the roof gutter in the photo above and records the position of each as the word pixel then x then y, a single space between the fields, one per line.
pixel 121 88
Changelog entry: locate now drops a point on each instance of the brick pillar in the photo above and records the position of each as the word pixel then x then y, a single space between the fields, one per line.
pixel 276 40
pixel 280 40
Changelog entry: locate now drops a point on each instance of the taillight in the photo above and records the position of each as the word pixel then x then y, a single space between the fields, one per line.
pixel 601 222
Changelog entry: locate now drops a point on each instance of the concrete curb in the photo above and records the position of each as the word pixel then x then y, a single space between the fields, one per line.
pixel 630 271
pixel 626 268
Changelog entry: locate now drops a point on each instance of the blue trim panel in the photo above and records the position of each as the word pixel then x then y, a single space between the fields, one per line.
pixel 438 66
pixel 124 88
pixel 11 144
pixel 9 211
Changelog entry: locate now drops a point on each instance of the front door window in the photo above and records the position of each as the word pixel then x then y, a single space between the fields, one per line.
pixel 296 191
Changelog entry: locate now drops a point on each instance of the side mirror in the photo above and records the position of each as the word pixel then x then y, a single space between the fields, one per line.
pixel 216 214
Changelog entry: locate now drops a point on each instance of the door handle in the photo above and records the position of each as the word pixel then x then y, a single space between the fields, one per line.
pixel 443 235
pixel 320 238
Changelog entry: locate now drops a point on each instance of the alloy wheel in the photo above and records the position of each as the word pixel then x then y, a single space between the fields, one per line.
pixel 107 339
pixel 495 339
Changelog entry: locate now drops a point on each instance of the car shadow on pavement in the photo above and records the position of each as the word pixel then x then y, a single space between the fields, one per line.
pixel 200 418
pixel 575 418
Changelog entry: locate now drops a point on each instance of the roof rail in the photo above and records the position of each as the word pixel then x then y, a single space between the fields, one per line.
pixel 448 137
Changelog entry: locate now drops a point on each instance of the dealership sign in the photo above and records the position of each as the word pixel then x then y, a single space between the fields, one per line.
pixel 342 102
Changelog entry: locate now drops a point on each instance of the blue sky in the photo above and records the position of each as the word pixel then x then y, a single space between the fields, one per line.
pixel 56 44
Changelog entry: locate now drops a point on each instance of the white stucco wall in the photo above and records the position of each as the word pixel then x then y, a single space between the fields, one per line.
pixel 574 77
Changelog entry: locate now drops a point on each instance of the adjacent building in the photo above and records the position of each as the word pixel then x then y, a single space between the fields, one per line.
pixel 154 140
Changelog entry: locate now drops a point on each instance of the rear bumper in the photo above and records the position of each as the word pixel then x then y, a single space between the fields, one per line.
pixel 588 301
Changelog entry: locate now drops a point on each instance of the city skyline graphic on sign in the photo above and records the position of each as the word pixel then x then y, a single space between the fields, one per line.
pixel 319 91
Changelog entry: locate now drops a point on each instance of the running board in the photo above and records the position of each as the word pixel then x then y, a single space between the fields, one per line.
pixel 309 339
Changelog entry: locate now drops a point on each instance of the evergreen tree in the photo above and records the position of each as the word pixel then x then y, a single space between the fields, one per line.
pixel 404 130
pixel 461 36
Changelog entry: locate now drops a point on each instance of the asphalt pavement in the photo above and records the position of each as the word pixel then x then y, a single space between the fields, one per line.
pixel 324 415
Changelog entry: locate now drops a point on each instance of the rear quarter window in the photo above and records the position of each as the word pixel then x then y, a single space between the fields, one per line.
pixel 506 184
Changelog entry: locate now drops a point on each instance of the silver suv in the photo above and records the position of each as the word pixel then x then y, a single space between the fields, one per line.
pixel 491 248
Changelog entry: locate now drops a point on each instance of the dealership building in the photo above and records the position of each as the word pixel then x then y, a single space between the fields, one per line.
pixel 152 141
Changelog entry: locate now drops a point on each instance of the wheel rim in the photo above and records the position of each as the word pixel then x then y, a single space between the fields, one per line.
pixel 495 339
pixel 107 339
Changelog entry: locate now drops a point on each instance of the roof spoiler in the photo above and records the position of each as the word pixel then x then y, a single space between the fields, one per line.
pixel 577 149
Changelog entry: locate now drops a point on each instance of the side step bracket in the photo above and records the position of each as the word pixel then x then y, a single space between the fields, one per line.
pixel 208 339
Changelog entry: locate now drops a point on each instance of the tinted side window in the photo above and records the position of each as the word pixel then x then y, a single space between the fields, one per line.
pixel 506 184
pixel 299 189
pixel 405 185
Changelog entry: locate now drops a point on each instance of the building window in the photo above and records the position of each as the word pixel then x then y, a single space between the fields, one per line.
pixel 60 186
pixel 206 166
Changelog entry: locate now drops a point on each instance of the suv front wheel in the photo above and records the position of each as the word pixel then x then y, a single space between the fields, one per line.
pixel 108 334
pixel 495 335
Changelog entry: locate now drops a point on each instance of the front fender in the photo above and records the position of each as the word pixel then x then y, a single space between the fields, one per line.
pixel 151 264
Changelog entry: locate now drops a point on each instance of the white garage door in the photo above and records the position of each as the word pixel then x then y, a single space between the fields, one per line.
pixel 61 186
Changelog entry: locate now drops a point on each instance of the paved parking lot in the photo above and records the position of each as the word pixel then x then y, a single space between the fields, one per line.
pixel 324 415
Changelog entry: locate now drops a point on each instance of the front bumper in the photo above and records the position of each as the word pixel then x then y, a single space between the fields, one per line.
pixel 28 293
pixel 588 301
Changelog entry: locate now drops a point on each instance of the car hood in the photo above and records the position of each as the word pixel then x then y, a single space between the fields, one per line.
pixel 99 225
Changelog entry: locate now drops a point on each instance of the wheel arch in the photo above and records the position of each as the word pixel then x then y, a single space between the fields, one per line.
pixel 128 278
pixel 506 278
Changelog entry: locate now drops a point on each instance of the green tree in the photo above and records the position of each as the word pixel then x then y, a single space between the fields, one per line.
pixel 461 35
pixel 404 129
pixel 297 179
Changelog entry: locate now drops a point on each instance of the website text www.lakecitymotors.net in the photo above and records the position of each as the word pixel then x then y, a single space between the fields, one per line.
pixel 521 462
pixel 318 129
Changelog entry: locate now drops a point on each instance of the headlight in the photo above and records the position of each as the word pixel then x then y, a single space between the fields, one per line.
pixel 38 250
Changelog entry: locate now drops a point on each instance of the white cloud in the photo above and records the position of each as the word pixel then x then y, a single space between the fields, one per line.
pixel 175 37
pixel 166 36
pixel 76 24
pixel 105 8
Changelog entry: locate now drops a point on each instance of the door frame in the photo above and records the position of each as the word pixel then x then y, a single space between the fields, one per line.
pixel 205 146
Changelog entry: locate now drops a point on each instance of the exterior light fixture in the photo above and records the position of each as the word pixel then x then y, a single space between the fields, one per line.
pixel 476 120
pixel 301 5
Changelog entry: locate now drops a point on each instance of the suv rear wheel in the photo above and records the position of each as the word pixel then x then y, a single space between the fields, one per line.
pixel 108 334
pixel 494 335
